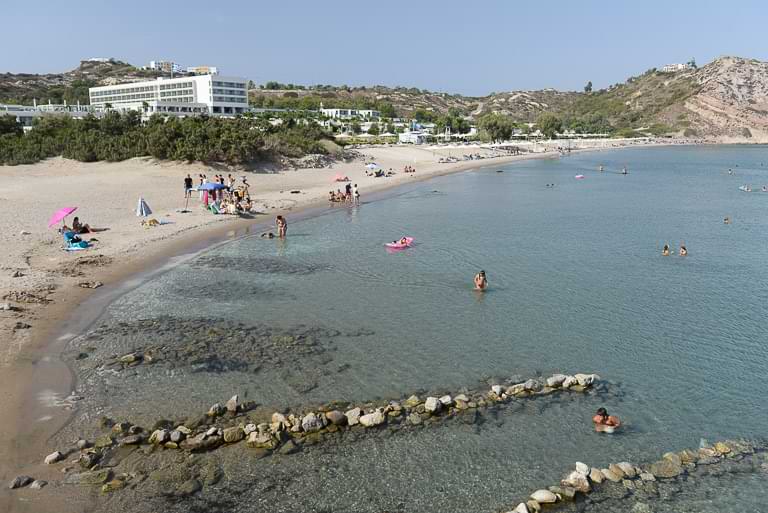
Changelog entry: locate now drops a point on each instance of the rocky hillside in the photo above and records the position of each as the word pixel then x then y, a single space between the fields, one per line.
pixel 71 86
pixel 731 101
pixel 726 100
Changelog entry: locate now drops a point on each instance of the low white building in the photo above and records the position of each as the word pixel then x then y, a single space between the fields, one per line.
pixel 413 137
pixel 25 115
pixel 164 66
pixel 350 113
pixel 184 96
pixel 203 70
pixel 676 68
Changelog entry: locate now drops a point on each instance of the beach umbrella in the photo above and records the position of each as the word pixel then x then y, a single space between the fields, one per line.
pixel 60 214
pixel 372 165
pixel 142 209
pixel 210 186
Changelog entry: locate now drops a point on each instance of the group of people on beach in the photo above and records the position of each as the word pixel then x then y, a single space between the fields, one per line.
pixel 231 199
pixel 350 194
pixel 409 169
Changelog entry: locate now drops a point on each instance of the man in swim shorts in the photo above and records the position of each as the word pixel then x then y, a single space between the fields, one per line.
pixel 605 423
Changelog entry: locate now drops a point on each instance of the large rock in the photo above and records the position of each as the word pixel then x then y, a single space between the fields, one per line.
pixel 336 417
pixel 532 385
pixel 232 405
pixel 160 436
pixel 556 380
pixel 586 380
pixel 216 410
pixel 177 436
pixel 610 475
pixel 544 497
pixel 533 506
pixel 353 416
pixel 569 381
pixel 566 493
pixel 372 419
pixel 673 458
pixel 497 389
pixel 201 442
pixel 89 459
pixel 521 508
pixel 38 484
pixel 577 480
pixel 432 405
pixel 96 477
pixel 414 419
pixel 596 476
pixel 628 469
pixel 412 401
pixel 617 470
pixel 666 469
pixel 311 423
pixel 233 434
pixel 582 467
pixel 258 440
pixel 446 400
pixel 132 440
pixel 20 482
pixel 54 457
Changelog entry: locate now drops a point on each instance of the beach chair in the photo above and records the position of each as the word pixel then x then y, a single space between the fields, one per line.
pixel 73 242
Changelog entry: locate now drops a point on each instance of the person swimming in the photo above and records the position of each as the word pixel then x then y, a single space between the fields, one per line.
pixel 404 241
pixel 683 250
pixel 665 250
pixel 727 220
pixel 481 282
pixel 605 423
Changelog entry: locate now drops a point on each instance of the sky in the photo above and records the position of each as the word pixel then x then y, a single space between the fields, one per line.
pixel 472 47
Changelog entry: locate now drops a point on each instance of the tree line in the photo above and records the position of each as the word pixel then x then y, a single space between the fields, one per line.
pixel 120 136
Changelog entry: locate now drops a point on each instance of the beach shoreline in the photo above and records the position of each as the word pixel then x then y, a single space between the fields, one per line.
pixel 33 374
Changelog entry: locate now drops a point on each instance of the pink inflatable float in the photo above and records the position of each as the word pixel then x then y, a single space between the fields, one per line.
pixel 400 245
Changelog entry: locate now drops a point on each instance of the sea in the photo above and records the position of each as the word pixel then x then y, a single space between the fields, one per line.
pixel 577 282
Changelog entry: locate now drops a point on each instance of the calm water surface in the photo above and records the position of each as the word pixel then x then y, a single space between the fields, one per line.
pixel 578 284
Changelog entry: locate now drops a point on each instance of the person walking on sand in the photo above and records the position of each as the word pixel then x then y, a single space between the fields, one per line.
pixel 282 226
pixel 481 282
pixel 356 194
pixel 188 186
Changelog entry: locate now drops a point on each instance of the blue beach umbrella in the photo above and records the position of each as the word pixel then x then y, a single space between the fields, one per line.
pixel 210 186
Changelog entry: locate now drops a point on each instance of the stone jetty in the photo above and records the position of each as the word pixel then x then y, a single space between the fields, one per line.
pixel 622 480
pixel 231 422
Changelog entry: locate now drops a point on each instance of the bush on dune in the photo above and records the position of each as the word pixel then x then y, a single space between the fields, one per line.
pixel 117 137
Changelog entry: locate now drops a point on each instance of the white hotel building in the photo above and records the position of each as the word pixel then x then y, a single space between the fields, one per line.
pixel 185 96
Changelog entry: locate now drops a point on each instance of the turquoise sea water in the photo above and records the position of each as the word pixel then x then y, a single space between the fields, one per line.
pixel 578 284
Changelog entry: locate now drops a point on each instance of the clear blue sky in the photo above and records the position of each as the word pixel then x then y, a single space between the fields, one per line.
pixel 469 47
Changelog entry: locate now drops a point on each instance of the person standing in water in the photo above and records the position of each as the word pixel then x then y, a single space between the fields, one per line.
pixel 683 250
pixel 605 423
pixel 665 250
pixel 600 168
pixel 282 226
pixel 481 282
pixel 356 194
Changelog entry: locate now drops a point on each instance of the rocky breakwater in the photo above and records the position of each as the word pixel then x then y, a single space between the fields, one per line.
pixel 262 433
pixel 593 489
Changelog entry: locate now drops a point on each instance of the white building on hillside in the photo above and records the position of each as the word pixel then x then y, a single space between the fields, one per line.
pixel 184 96
pixel 351 113
pixel 26 114
pixel 676 68
pixel 203 70
pixel 165 66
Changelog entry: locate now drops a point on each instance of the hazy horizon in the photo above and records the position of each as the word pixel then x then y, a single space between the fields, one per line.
pixel 449 47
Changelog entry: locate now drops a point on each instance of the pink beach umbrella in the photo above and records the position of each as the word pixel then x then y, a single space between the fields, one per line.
pixel 60 215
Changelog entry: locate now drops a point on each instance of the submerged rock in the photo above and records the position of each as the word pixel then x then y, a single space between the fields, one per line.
pixel 666 469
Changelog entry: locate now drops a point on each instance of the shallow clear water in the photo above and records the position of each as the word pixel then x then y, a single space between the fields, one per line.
pixel 578 284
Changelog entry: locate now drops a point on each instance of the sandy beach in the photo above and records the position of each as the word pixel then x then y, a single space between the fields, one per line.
pixel 42 283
